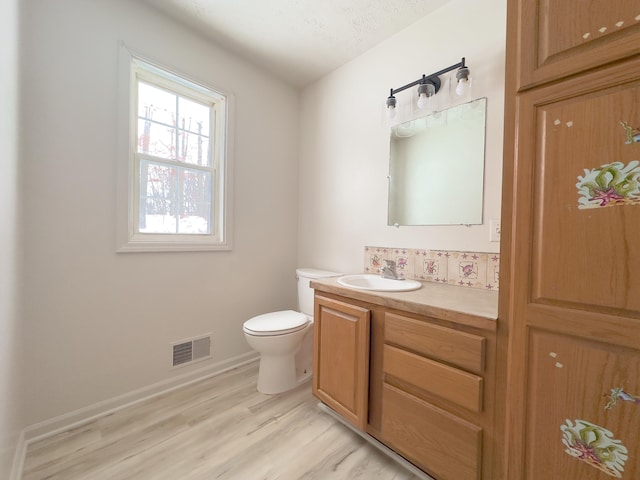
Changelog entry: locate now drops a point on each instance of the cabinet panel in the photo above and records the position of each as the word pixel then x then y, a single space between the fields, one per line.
pixel 433 439
pixel 341 358
pixel 452 346
pixel 451 384
pixel 587 199
pixel 584 414
pixel 569 36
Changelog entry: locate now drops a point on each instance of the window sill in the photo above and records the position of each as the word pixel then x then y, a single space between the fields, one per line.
pixel 141 246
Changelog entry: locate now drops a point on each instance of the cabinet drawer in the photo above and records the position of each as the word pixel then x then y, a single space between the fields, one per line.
pixel 434 440
pixel 462 349
pixel 462 388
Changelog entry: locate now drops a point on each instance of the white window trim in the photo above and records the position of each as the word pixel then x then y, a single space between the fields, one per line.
pixel 126 192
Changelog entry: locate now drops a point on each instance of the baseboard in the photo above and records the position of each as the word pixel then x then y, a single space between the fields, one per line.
pixel 53 426
pixel 380 446
pixel 18 458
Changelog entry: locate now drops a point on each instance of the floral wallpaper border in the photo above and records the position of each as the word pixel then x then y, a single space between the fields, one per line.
pixel 461 269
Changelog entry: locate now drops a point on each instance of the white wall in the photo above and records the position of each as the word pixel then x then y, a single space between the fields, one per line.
pixel 11 417
pixel 100 324
pixel 345 139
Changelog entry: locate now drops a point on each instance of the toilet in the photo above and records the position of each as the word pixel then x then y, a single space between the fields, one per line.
pixel 284 339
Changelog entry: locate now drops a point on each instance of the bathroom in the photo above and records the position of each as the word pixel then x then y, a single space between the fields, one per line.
pixel 309 190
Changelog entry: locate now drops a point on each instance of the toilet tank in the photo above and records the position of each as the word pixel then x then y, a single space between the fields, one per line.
pixel 305 292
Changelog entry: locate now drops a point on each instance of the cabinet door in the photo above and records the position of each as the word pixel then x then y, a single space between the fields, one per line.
pixel 574 378
pixel 561 37
pixel 341 358
pixel 581 424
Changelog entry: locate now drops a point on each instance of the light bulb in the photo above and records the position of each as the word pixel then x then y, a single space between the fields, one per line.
pixel 462 87
pixel 422 100
pixel 425 92
pixel 391 111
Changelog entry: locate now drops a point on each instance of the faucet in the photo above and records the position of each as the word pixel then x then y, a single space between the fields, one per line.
pixel 389 271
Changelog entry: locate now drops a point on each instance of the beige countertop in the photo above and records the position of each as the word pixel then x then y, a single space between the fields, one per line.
pixel 469 306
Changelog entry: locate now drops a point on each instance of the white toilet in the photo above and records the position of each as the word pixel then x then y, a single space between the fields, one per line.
pixel 284 339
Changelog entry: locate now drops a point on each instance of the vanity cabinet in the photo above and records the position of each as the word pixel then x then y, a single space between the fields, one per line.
pixel 429 385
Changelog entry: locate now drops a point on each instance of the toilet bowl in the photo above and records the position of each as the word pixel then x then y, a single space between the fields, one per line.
pixel 284 339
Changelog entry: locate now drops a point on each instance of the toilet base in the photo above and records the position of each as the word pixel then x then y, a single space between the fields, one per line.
pixel 277 374
pixel 285 360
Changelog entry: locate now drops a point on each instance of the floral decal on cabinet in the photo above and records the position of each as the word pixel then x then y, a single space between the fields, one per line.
pixel 632 134
pixel 611 184
pixel 595 446
pixel 619 394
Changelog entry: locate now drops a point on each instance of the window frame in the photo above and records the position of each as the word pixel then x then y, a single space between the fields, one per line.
pixel 134 68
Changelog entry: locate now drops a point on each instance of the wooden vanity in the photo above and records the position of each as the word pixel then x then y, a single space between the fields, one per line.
pixel 415 370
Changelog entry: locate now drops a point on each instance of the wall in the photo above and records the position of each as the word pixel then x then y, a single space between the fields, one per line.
pixel 11 418
pixel 345 138
pixel 100 324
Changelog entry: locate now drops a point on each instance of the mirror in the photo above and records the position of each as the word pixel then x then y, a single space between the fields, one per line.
pixel 436 167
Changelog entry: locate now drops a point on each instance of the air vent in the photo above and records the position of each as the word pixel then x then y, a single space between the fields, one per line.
pixel 189 351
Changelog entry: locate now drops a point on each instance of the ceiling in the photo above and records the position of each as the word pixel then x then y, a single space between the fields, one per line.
pixel 298 40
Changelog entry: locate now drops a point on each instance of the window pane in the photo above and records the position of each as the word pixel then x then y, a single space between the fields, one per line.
pixel 156 139
pixel 158 198
pixel 156 104
pixel 174 200
pixel 195 205
pixel 194 149
pixel 194 117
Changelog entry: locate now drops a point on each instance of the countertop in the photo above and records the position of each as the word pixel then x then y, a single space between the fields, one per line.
pixel 469 306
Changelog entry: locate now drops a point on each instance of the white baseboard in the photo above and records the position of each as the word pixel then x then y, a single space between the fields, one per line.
pixel 18 458
pixel 53 426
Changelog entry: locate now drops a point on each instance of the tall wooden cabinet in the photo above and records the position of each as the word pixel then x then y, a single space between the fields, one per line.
pixel 570 286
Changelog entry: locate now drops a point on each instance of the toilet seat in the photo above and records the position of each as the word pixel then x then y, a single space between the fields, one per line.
pixel 275 323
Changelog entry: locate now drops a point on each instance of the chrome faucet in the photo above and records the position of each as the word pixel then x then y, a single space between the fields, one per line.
pixel 389 271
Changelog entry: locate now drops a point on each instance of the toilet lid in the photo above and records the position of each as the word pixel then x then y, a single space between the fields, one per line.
pixel 276 323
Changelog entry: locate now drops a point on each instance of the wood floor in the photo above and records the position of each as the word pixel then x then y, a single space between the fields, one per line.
pixel 219 428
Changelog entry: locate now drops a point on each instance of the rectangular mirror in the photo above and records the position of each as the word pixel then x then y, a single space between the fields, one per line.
pixel 436 167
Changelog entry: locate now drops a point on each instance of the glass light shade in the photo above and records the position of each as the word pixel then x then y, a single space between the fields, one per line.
pixel 462 87
pixel 391 111
pixel 422 100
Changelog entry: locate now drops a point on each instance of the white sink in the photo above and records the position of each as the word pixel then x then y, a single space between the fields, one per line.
pixel 367 281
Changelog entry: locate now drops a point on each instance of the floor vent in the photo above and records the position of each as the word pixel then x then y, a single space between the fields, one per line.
pixel 189 351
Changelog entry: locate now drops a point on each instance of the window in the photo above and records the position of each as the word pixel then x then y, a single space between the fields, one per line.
pixel 178 163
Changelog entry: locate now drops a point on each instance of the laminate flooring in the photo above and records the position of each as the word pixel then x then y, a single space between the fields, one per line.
pixel 218 428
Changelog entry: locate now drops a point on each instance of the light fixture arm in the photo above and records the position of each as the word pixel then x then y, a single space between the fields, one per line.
pixel 433 78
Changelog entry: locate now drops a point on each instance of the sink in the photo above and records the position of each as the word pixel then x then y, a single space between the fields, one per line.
pixel 367 281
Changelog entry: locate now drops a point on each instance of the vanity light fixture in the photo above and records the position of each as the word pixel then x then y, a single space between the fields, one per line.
pixel 462 76
pixel 429 85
